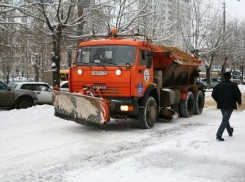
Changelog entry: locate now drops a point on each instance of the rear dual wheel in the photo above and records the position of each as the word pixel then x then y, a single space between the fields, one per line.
pixel 192 105
pixel 199 102
pixel 187 106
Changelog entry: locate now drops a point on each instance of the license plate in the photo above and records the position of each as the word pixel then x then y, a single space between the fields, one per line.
pixel 99 72
pixel 103 87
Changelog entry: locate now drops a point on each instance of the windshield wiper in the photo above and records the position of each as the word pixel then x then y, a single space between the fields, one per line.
pixel 88 65
pixel 100 64
pixel 115 65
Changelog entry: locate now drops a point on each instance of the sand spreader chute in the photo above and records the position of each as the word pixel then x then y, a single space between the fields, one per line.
pixel 83 109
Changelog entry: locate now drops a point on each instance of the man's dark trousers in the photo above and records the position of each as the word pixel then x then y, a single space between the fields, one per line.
pixel 225 122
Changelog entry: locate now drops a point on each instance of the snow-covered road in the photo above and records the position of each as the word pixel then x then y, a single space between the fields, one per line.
pixel 36 146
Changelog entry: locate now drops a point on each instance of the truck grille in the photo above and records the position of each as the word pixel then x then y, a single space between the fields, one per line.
pixel 112 89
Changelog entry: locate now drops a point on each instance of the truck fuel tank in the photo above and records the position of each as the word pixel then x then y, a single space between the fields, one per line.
pixel 169 97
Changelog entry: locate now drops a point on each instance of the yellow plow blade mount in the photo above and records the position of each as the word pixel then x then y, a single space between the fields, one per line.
pixel 82 109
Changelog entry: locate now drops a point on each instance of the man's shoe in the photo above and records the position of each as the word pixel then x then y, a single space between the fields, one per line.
pixel 230 134
pixel 219 138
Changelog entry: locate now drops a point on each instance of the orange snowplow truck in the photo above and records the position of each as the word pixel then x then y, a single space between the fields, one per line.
pixel 122 78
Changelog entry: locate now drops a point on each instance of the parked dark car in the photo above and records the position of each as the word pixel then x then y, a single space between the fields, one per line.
pixel 213 82
pixel 216 80
pixel 16 98
pixel 197 82
pixel 236 79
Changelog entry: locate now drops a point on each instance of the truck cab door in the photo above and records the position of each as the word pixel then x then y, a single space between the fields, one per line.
pixel 145 75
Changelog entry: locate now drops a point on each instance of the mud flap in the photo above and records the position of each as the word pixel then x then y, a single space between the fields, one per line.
pixel 86 110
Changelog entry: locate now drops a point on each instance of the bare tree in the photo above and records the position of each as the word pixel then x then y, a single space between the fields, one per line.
pixel 203 25
pixel 54 17
pixel 60 20
pixel 204 35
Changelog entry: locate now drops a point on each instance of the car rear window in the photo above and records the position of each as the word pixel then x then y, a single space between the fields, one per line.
pixel 27 87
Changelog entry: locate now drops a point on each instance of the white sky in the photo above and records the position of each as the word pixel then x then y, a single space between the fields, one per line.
pixel 234 8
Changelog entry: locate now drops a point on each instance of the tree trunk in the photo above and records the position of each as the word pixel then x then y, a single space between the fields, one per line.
pixel 208 76
pixel 208 69
pixel 223 67
pixel 7 78
pixel 241 75
pixel 8 69
pixel 36 75
pixel 80 13
pixel 56 58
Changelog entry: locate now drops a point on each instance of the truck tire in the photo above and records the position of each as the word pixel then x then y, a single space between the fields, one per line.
pixel 147 116
pixel 199 102
pixel 187 106
pixel 23 103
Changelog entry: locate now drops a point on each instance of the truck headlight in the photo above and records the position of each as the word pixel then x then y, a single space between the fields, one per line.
pixel 79 71
pixel 118 72
pixel 126 108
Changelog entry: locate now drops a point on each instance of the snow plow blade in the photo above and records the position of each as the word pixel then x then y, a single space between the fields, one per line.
pixel 85 110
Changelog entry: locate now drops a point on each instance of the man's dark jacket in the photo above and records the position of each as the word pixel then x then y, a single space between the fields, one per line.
pixel 227 94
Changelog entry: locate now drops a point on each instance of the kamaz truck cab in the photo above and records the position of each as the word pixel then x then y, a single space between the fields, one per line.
pixel 118 78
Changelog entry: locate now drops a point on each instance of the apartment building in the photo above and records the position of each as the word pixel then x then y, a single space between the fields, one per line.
pixel 173 12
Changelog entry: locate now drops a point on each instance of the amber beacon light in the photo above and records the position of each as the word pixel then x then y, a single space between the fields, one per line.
pixel 114 32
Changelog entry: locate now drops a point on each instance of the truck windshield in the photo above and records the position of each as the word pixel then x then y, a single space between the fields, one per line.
pixel 108 55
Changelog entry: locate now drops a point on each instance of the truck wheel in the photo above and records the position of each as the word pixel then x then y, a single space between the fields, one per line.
pixel 147 115
pixel 23 103
pixel 199 102
pixel 187 106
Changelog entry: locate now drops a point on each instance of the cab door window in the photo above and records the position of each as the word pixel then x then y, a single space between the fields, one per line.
pixel 142 57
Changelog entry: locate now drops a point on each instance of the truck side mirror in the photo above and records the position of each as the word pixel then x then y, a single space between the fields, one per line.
pixel 149 54
pixel 69 63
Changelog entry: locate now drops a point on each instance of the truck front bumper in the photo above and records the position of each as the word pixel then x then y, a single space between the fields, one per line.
pixel 123 107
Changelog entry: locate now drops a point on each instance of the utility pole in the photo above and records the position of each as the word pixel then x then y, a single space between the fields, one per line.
pixel 226 57
pixel 178 23
pixel 224 20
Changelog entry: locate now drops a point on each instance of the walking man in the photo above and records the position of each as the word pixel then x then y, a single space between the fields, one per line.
pixel 227 95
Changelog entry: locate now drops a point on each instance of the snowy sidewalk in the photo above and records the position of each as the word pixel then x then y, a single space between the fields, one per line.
pixel 36 146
